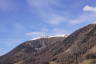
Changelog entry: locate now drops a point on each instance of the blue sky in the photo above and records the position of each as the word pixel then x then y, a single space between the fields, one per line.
pixel 22 20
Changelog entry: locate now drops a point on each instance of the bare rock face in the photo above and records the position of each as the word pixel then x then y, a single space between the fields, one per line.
pixel 77 48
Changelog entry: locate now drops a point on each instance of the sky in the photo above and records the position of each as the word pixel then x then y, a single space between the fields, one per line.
pixel 22 20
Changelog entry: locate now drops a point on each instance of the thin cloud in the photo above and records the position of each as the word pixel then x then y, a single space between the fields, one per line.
pixel 89 8
pixel 55 20
pixel 45 10
pixel 33 33
pixel 85 17
pixel 45 32
pixel 36 35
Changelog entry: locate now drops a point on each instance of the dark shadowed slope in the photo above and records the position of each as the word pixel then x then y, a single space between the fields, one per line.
pixel 78 48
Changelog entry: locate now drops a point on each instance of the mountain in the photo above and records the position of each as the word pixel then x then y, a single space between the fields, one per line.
pixel 29 49
pixel 77 48
pixel 82 41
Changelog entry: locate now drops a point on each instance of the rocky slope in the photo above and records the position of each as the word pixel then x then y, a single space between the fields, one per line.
pixel 83 40
pixel 77 48
pixel 29 49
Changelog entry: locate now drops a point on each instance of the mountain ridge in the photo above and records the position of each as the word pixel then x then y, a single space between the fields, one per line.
pixel 75 49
